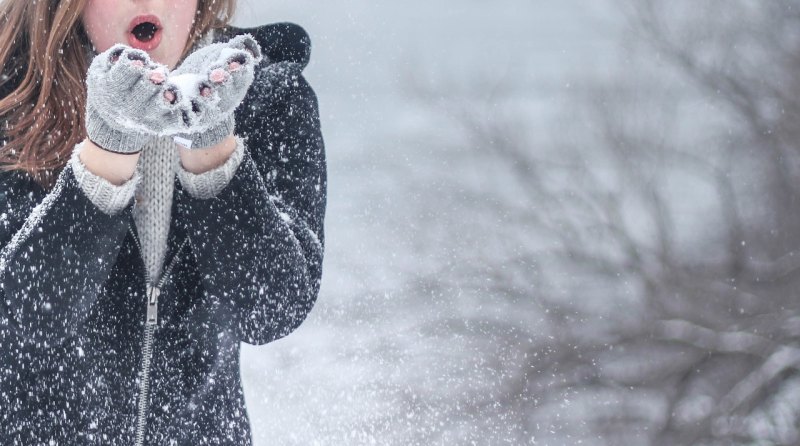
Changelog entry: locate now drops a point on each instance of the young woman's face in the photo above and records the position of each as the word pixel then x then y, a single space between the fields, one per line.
pixel 159 27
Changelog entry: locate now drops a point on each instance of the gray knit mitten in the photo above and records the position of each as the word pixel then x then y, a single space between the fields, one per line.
pixel 127 100
pixel 212 82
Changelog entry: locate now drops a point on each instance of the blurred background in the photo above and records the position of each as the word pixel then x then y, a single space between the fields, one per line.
pixel 548 223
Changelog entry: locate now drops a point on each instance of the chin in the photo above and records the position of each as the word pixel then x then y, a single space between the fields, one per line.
pixel 164 60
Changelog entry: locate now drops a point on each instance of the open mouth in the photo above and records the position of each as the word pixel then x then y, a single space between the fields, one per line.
pixel 144 32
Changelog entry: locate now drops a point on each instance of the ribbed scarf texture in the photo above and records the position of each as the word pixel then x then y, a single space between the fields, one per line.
pixel 152 212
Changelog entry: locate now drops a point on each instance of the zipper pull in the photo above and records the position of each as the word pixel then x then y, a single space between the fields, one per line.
pixel 152 304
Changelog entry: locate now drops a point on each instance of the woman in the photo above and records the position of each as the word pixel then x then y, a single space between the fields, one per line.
pixel 153 213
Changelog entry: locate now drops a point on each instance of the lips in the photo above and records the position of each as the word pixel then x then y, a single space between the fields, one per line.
pixel 144 32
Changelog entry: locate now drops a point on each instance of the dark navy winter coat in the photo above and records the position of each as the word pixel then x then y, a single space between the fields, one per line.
pixel 73 283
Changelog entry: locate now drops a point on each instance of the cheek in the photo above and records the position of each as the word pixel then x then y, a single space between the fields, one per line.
pixel 180 17
pixel 97 19
pixel 182 14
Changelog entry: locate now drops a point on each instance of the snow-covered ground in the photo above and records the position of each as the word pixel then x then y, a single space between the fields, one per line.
pixel 361 369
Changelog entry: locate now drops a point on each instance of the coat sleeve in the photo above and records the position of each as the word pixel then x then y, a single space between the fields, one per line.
pixel 57 252
pixel 259 242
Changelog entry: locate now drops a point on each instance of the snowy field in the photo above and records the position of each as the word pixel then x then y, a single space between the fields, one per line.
pixel 382 359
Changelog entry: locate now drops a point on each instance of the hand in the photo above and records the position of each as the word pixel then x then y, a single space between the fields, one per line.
pixel 212 82
pixel 128 100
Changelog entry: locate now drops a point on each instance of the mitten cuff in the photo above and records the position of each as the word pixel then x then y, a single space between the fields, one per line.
pixel 208 184
pixel 109 198
pixel 112 139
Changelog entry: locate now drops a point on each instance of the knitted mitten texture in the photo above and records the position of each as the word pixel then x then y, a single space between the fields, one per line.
pixel 126 103
pixel 212 82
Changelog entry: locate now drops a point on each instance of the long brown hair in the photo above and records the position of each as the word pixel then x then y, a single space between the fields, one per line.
pixel 43 55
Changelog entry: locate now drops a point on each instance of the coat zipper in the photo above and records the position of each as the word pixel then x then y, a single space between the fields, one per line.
pixel 151 321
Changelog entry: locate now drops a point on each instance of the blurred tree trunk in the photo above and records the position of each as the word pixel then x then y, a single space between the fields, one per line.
pixel 658 232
